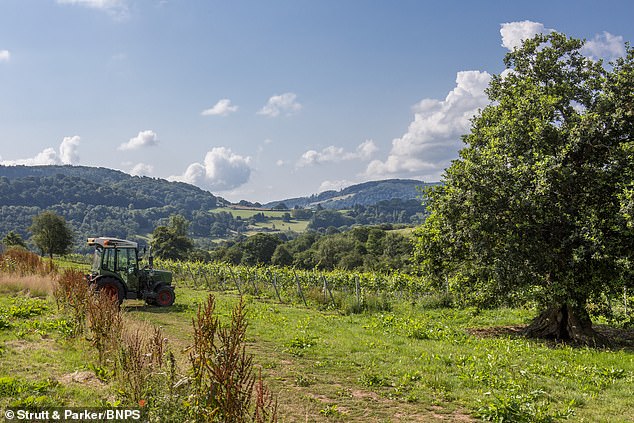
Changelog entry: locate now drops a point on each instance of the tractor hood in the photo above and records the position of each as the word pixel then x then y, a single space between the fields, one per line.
pixel 162 276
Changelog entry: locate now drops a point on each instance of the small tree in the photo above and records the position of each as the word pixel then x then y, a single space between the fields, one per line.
pixel 13 239
pixel 51 234
pixel 172 242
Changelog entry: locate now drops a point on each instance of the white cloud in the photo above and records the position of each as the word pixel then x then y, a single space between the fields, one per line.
pixel 606 46
pixel 278 104
pixel 513 33
pixel 5 55
pixel 334 185
pixel 333 154
pixel 142 169
pixel 68 150
pixel 116 8
pixel 145 138
pixel 68 155
pixel 221 170
pixel 434 136
pixel 221 108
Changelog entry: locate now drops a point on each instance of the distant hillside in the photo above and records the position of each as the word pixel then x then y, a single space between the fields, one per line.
pixel 106 202
pixel 365 194
pixel 96 201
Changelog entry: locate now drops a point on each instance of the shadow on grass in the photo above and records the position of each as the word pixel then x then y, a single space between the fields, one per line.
pixel 146 308
pixel 620 338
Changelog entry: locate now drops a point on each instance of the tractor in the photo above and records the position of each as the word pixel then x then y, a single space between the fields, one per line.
pixel 116 270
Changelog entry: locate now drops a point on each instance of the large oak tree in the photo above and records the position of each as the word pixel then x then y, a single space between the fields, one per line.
pixel 537 206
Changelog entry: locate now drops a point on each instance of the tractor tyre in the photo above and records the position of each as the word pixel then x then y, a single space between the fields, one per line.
pixel 112 288
pixel 165 296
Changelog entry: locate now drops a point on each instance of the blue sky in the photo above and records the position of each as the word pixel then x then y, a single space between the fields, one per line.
pixel 264 100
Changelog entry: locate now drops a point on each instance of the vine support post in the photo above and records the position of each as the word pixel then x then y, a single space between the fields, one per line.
pixel 252 279
pixel 191 272
pixel 358 290
pixel 273 278
pixel 327 289
pixel 299 289
pixel 235 280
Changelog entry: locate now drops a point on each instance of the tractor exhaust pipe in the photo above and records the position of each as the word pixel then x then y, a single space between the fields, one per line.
pixel 151 259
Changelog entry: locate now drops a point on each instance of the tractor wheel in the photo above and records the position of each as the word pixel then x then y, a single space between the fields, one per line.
pixel 164 296
pixel 112 288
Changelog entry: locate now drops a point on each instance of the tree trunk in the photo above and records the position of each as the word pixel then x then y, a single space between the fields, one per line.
pixel 564 323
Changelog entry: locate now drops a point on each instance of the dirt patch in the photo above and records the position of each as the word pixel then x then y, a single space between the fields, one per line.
pixel 497 331
pixel 83 378
pixel 20 345
pixel 365 395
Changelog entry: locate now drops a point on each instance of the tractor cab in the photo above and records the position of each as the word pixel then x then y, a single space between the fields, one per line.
pixel 116 269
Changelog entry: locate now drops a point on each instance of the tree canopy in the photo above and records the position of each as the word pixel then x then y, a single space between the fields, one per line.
pixel 51 234
pixel 538 205
pixel 172 241
pixel 13 239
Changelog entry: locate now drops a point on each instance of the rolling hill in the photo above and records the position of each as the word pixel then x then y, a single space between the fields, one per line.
pixel 100 201
pixel 364 194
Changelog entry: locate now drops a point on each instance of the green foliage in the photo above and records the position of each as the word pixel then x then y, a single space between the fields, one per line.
pixel 517 407
pixel 259 249
pixel 51 233
pixel 362 248
pixel 13 239
pixel 172 241
pixel 532 210
pixel 24 307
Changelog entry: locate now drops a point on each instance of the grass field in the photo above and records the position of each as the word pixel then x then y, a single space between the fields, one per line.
pixel 275 222
pixel 413 363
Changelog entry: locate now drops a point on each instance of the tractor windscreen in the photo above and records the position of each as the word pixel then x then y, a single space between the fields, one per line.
pixel 96 260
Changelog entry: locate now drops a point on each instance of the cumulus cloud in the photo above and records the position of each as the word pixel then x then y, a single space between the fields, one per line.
pixel 221 108
pixel 335 185
pixel 333 154
pixel 68 154
pixel 69 150
pixel 142 169
pixel 221 170
pixel 513 33
pixel 145 138
pixel 605 46
pixel 434 136
pixel 116 8
pixel 281 104
pixel 5 56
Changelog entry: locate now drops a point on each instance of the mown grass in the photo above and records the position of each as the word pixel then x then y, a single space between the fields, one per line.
pixel 412 363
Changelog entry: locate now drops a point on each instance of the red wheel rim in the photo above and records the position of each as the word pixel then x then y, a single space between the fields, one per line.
pixel 164 297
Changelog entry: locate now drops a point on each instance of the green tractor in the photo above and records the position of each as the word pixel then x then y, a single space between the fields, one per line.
pixel 116 270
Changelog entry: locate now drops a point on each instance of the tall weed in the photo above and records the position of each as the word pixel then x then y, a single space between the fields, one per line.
pixel 105 323
pixel 23 262
pixel 223 380
pixel 72 295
